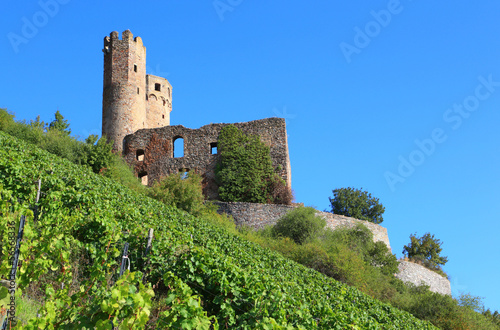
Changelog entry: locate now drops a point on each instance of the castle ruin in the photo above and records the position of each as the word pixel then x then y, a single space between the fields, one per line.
pixel 136 116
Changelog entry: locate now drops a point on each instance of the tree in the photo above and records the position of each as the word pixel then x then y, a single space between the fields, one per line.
pixel 60 124
pixel 357 204
pixel 245 171
pixel 425 249
pixel 301 225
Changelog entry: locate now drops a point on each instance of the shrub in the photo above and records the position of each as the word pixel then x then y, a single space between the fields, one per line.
pixel 301 225
pixel 245 172
pixel 184 193
pixel 357 204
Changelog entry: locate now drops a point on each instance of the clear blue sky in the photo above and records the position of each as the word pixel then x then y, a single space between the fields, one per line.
pixel 401 98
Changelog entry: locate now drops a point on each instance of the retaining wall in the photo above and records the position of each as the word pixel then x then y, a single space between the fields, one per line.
pixel 257 216
pixel 416 274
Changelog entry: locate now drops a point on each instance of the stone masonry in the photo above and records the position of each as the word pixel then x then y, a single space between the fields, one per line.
pixel 418 275
pixel 151 151
pixel 131 99
pixel 257 216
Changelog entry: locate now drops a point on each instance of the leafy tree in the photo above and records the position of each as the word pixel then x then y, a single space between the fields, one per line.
pixel 59 124
pixel 357 204
pixel 472 302
pixel 245 172
pixel 301 225
pixel 425 249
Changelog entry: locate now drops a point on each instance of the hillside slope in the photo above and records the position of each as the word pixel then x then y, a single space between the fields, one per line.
pixel 203 275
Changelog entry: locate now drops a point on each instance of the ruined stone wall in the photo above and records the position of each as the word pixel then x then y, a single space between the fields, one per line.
pixel 151 151
pixel 414 273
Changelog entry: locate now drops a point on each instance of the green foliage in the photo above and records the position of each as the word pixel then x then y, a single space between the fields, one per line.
pixel 245 172
pixel 358 204
pixel 492 317
pixel 232 282
pixel 473 302
pixel 442 310
pixel 301 225
pixel 55 138
pixel 59 124
pixel 184 193
pixel 426 250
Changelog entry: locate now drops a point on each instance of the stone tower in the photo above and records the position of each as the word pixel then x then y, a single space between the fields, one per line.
pixel 131 99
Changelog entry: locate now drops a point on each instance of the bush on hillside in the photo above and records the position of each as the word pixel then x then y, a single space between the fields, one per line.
pixel 301 225
pixel 184 193
pixel 358 204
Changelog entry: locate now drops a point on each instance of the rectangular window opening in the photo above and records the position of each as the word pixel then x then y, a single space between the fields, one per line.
pixel 213 148
pixel 158 87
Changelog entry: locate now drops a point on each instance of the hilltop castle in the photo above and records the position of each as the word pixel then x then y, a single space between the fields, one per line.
pixel 136 115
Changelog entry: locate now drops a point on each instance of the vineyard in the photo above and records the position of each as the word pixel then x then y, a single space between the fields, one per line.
pixel 195 276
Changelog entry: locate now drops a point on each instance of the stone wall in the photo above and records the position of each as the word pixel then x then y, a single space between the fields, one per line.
pixel 334 221
pixel 254 215
pixel 151 151
pixel 259 215
pixel 413 273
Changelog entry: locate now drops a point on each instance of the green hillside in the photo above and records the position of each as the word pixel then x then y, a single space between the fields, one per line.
pixel 196 275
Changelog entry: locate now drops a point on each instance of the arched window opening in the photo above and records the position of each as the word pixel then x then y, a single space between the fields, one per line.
pixel 178 147
pixel 144 177
pixel 139 155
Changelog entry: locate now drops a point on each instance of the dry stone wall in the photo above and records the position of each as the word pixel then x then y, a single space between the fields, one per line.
pixel 258 216
pixel 414 273
pixel 334 221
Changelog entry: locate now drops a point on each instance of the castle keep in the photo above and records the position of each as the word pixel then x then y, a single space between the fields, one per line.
pixel 131 99
pixel 136 116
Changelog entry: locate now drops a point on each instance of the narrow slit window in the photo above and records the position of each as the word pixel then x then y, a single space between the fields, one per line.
pixel 135 67
pixel 137 90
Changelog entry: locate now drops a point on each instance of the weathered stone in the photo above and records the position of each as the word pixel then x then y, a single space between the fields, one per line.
pixel 257 216
pixel 414 273
pixel 150 151
pixel 131 99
